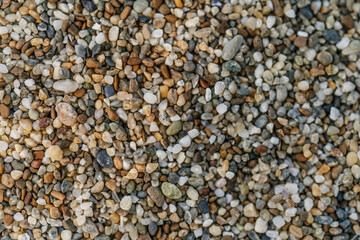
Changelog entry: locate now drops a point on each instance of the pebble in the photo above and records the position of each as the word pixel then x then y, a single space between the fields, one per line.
pixel 140 5
pixel 55 153
pixel 66 114
pixel 126 203
pixel 67 86
pixel 174 128
pixel 156 195
pixel 114 33
pixel 232 47
pixel 332 36
pixel 171 191
pixel 150 98
pixel 104 159
pixel 179 119
pixel 261 225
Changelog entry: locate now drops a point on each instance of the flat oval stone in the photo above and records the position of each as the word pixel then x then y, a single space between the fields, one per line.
pixel 67 86
pixel 171 191
pixel 104 159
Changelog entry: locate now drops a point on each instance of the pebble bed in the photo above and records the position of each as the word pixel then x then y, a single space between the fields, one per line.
pixel 179 119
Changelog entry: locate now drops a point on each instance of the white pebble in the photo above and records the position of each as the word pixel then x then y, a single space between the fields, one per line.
pixel 18 217
pixel 150 98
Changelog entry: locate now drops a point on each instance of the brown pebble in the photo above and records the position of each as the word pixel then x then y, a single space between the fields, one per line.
pixel 347 21
pixel 157 3
pixel 278 11
pixel 300 42
pixel 38 155
pixel 82 118
pixel 134 61
pixel 91 63
pixel 4 110
pixel 164 71
pixel 7 219
pixel 296 231
pixel 80 93
pixel 44 122
pixel 125 13
pixel 171 18
pixel 112 114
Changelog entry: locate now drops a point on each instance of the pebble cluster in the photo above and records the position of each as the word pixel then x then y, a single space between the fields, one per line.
pixel 179 119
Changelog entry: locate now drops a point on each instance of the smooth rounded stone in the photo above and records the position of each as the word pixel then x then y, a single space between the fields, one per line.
pixel 332 130
pixel 55 153
pixel 3 68
pixel 232 47
pixel 221 108
pixel 232 66
pixel 126 203
pixel 219 88
pixel 325 220
pixel 67 86
pixel 66 114
pixel 324 57
pixel 114 33
pixel 215 230
pixel 341 214
pixel 261 121
pixel 66 235
pixel 308 204
pixel 18 217
pixel 334 114
pixel 153 228
pixel 109 91
pixel 150 98
pixel 4 145
pixel 281 93
pixel 16 174
pixel 343 43
pixel 189 66
pixel 355 170
pixel 250 210
pixel 331 35
pixel 351 159
pixel 140 5
pixel 156 195
pixel 352 48
pixel 7 180
pixel 192 194
pixel 203 32
pixel 104 159
pixel 171 191
pixel 213 68
pixel 261 225
pixel 185 141
pixel 303 86
pixel 174 128
pixel 204 207
pixel 3 30
pixel 158 33
pixel 291 188
pixel 348 87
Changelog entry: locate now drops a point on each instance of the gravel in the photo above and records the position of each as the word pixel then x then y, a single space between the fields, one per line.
pixel 181 119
